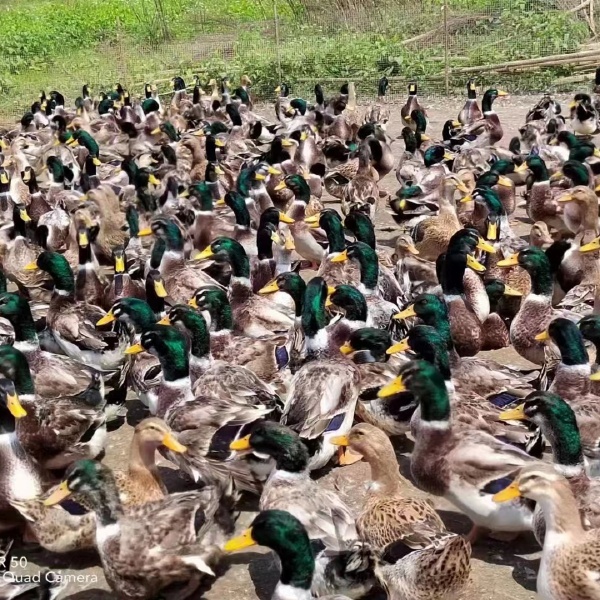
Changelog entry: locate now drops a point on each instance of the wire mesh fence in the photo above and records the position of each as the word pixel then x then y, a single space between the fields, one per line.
pixel 439 43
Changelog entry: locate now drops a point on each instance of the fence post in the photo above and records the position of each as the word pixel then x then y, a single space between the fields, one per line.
pixel 446 64
pixel 277 42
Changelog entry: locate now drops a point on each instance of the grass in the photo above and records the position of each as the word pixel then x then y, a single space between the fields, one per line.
pixel 61 44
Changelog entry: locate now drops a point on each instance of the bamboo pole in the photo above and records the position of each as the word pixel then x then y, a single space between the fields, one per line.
pixel 277 41
pixel 446 61
pixel 543 61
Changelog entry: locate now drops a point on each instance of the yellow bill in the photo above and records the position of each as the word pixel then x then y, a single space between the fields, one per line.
pixel 340 440
pixel 492 231
pixel 135 349
pixel 273 171
pixel 241 444
pixel 502 93
pixel 521 168
pixel 155 131
pixel 24 216
pixel 341 257
pixel 391 389
pixel 270 288
pixel 164 321
pixel 280 186
pixel 32 266
pixel 511 261
pixel 240 542
pixel 475 264
pixel 219 143
pixel 485 246
pixel 171 443
pixel 159 289
pixel 510 493
pixel 145 232
pixel 543 336
pixel 193 303
pixel 406 313
pixel 96 161
pixel 153 180
pixel 401 346
pixel 259 177
pixel 595 376
pixel 591 246
pixel 509 291
pixel 60 493
pixel 15 407
pixel 504 181
pixel 566 198
pixel 109 317
pixel 119 264
pixel 513 414
pixel 206 253
pixel 283 218
pixel 346 349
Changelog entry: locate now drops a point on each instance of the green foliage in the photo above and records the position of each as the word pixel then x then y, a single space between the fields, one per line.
pixel 65 43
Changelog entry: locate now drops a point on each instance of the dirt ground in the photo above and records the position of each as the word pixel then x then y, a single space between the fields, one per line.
pixel 501 570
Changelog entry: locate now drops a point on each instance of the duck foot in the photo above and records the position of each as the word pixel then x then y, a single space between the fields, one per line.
pixel 476 534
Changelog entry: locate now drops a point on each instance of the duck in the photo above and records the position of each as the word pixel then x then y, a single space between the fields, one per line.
pixel 470 112
pixel 558 423
pixel 253 316
pixel 127 541
pixel 56 429
pixel 567 545
pixel 438 460
pixel 380 310
pixel 389 517
pixel 72 323
pixel 584 117
pixel 266 356
pixel 302 573
pixel 201 421
pixel 290 488
pixel 412 103
pixel 324 391
pixel 536 309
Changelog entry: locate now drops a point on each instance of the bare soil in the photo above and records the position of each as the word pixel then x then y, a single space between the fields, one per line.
pixel 501 570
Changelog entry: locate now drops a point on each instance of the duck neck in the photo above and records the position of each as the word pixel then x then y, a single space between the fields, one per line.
pixel 222 319
pixel 541 279
pixel 200 338
pixel 142 458
pixel 563 435
pixel 435 407
pixel 106 503
pixel 25 331
pixel 562 515
pixel 385 477
pixel 335 237
pixel 369 269
pixel 175 363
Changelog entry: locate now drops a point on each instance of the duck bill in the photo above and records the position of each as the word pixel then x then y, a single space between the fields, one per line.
pixel 164 321
pixel 273 171
pixel 406 313
pixel 109 317
pixel 505 182
pixel 171 443
pixel 145 232
pixel 509 291
pixel 259 177
pixel 544 336
pixel 15 407
pixel 270 288
pixel 475 264
pixel 241 444
pixel 193 303
pixel 32 266
pixel 341 257
pixel 159 289
pixel 492 231
pixel 502 93
pixel 153 180
pixel 513 414
pixel 61 493
pixel 346 348
pixel 591 246
pixel 119 264
pixel 512 492
pixel 340 440
pixel 485 246
pixel 595 376
pixel 401 346
pixel 24 216
pixel 206 253
pixel 466 199
pixel 289 243
pixel 313 219
pixel 240 542
pixel 391 389
pixel 283 218
pixel 511 261
pixel 521 168
pixel 135 349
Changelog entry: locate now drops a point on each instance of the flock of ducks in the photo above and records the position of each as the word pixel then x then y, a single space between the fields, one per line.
pixel 181 253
